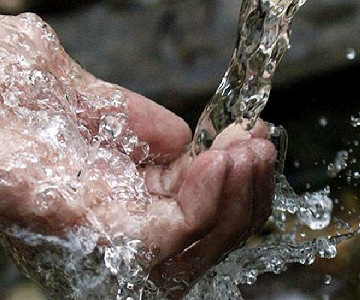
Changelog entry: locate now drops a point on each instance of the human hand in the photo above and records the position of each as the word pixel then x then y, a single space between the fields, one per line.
pixel 81 152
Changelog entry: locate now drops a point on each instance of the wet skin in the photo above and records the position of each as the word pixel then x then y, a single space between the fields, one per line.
pixel 201 207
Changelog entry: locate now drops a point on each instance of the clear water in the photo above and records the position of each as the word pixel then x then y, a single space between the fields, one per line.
pixel 263 38
pixel 96 262
pixel 71 163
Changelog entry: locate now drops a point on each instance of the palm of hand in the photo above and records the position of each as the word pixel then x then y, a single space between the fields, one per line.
pixel 199 209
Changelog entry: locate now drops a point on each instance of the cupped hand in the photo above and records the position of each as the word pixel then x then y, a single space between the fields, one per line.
pixel 60 164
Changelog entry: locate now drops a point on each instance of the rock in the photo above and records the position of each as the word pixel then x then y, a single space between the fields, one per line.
pixel 176 50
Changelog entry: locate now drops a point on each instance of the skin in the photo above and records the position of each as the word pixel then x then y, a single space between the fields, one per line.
pixel 201 207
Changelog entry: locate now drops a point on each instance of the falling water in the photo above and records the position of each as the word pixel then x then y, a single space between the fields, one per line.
pixel 263 38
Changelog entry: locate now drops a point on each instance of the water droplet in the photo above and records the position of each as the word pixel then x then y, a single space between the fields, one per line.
pixel 327 279
pixel 355 121
pixel 323 121
pixel 280 9
pixel 325 247
pixel 111 126
pixel 315 210
pixel 251 277
pixel 339 164
pixel 331 170
pixel 350 54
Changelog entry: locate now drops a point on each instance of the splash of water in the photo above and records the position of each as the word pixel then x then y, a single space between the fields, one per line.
pixel 74 153
pixel 263 38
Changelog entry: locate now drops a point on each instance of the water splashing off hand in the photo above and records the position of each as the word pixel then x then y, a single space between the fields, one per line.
pixel 263 38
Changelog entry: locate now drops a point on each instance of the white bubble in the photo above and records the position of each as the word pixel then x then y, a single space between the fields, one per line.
pixel 355 121
pixel 327 279
pixel 323 121
pixel 296 164
pixel 350 54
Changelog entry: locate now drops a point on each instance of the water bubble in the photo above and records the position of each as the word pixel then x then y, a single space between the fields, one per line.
pixel 307 260
pixel 325 247
pixel 341 224
pixel 339 164
pixel 111 126
pixel 327 279
pixel 111 259
pixel 323 121
pixel 332 170
pixel 251 276
pixel 280 9
pixel 350 54
pixel 296 164
pixel 355 121
pixel 315 210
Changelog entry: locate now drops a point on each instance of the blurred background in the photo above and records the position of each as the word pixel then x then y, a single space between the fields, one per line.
pixel 176 51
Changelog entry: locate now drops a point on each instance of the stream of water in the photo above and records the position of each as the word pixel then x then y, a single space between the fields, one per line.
pixel 263 38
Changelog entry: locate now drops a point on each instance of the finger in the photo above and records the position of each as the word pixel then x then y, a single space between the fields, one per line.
pixel 263 180
pixel 167 180
pixel 174 225
pixel 236 132
pixel 230 136
pixel 166 133
pixel 260 130
pixel 233 222
pixel 248 192
pixel 235 216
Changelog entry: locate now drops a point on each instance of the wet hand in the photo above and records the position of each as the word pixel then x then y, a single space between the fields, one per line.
pixel 59 169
